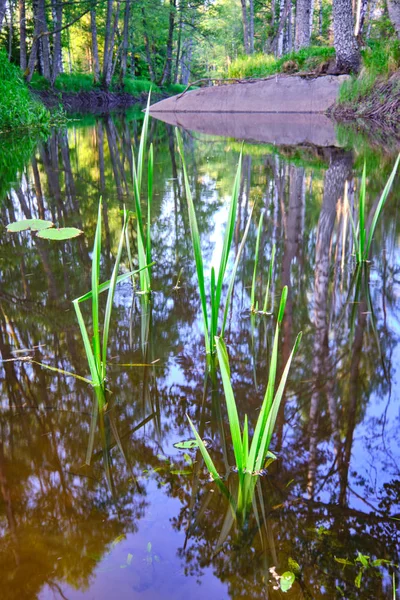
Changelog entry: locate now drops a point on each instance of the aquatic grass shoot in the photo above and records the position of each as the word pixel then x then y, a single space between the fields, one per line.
pixel 250 458
pixel 253 301
pixel 96 351
pixel 211 314
pixel 362 242
pixel 143 235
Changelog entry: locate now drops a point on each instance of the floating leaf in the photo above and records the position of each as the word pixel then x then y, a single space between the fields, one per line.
pixel 33 224
pixel 363 559
pixel 188 459
pixel 149 547
pixel 293 565
pixel 379 562
pixel 129 559
pixel 343 561
pixel 286 581
pixel 181 472
pixel 186 445
pixel 117 540
pixel 357 580
pixel 64 233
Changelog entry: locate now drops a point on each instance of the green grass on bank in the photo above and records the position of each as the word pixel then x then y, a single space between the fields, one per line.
pixel 18 109
pixel 380 59
pixel 83 82
pixel 264 65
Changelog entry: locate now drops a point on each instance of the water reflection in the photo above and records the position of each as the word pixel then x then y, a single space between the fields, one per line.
pixel 68 528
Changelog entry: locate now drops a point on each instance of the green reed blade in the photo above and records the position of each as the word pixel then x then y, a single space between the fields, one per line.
pixel 103 287
pixel 269 394
pixel 88 347
pixel 380 206
pixel 245 443
pixel 204 452
pixel 356 241
pixel 282 304
pixel 143 143
pixel 149 201
pixel 233 275
pixel 233 417
pixel 214 308
pixel 195 243
pixel 95 289
pixel 273 413
pixel 110 296
pixel 253 284
pixel 62 371
pixel 270 272
pixel 92 429
pixel 229 231
pixel 361 222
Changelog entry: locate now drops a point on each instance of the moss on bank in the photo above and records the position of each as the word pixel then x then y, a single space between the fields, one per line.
pixel 18 108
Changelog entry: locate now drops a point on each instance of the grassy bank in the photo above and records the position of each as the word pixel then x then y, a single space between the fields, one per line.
pixel 314 58
pixel 83 82
pixel 375 93
pixel 18 109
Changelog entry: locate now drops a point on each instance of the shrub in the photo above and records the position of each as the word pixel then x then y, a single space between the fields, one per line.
pixel 74 82
pixel 136 86
pixel 264 65
pixel 18 109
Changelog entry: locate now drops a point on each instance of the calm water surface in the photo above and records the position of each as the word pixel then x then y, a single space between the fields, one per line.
pixel 151 525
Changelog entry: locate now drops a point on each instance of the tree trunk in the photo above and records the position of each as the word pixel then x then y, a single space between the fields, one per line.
pixel 394 14
pixel 107 39
pixel 147 46
pixel 125 41
pixel 251 27
pixel 10 29
pixel 320 18
pixel 57 51
pixel 186 60
pixel 109 71
pixel 303 31
pixel 95 46
pixel 2 11
pixel 44 45
pixel 22 35
pixel 178 50
pixel 167 73
pixel 245 27
pixel 346 46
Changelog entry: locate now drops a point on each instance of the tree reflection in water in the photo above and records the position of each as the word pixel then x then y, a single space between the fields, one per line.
pixel 335 486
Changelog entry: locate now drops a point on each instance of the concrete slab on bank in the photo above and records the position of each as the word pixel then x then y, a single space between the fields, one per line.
pixel 278 94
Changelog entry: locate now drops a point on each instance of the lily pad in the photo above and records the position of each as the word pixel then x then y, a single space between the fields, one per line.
pixel 64 233
pixel 186 445
pixel 33 224
pixel 287 580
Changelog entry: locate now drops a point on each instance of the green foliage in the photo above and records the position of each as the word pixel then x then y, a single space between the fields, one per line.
pixel 135 87
pixel 18 109
pixel 15 152
pixel 74 82
pixel 264 65
pixel 143 236
pixel 362 241
pixel 380 59
pixel 39 83
pixel 211 315
pixel 250 458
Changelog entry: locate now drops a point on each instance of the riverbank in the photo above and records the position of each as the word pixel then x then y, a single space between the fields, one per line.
pixel 379 108
pixel 77 92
